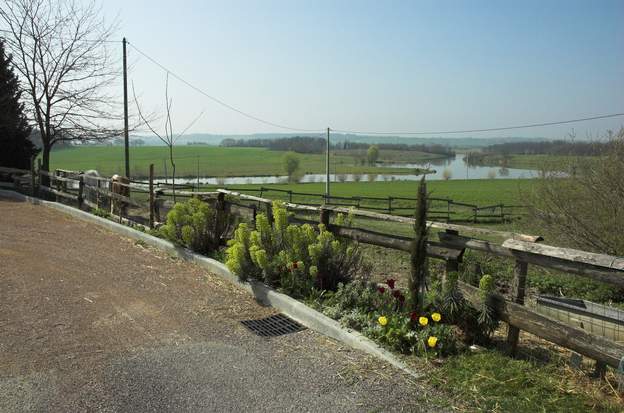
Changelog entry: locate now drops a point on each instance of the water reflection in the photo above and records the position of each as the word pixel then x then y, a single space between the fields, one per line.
pixel 449 168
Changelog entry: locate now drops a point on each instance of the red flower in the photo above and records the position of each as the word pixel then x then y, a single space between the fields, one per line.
pixel 396 293
pixel 390 282
pixel 413 316
pixel 294 264
pixel 381 290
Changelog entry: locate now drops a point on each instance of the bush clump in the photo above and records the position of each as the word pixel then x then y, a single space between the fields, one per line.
pixel 294 258
pixel 196 225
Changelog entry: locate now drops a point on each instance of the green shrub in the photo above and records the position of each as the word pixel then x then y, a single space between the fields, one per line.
pixel 101 213
pixel 291 257
pixel 196 225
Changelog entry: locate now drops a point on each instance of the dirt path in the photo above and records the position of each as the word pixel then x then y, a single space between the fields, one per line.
pixel 91 321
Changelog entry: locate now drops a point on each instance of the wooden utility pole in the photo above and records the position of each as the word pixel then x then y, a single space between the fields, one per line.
pixel 125 89
pixel 327 169
pixel 151 196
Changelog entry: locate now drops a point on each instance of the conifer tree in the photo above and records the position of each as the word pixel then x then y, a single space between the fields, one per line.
pixel 15 147
pixel 418 276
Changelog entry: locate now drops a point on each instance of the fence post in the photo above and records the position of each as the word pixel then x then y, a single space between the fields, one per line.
pixel 448 210
pixel 600 370
pixel 475 209
pixel 324 217
pixel 389 205
pixel 269 212
pixel 290 196
pixel 151 196
pixel 40 174
pixel 517 295
pixel 451 264
pixel 80 190
pixel 32 176
pixel 97 194
pixel 254 212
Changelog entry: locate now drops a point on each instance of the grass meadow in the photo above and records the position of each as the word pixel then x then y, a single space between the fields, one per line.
pixel 218 161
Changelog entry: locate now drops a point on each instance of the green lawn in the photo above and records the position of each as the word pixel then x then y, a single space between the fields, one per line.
pixel 213 161
pixel 532 161
pixel 474 191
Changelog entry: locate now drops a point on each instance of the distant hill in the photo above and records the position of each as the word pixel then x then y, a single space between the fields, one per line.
pixel 213 139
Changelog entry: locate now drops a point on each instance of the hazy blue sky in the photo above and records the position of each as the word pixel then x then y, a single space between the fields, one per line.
pixel 382 65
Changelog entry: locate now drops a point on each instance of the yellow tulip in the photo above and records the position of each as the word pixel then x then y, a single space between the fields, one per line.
pixel 432 341
pixel 382 320
pixel 436 317
pixel 423 321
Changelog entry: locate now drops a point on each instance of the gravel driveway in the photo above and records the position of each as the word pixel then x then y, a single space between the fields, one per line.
pixel 91 321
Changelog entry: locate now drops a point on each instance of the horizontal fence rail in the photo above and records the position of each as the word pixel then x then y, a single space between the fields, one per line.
pixel 453 241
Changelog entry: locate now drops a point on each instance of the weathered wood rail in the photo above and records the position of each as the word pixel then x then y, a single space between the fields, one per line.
pixel 439 208
pixel 453 242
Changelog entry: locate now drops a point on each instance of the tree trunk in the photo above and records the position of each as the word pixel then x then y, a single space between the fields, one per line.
pixel 45 163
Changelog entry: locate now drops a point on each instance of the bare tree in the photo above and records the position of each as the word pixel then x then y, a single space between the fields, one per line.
pixel 168 138
pixel 61 50
pixel 581 206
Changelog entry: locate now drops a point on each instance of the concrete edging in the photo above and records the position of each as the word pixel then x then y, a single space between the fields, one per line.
pixel 293 308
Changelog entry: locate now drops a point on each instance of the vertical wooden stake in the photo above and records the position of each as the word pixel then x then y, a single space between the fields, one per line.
pixel 390 205
pixel 324 217
pixel 254 212
pixel 80 190
pixel 600 370
pixel 517 295
pixel 269 212
pixel 151 196
pixel 451 265
pixel 32 176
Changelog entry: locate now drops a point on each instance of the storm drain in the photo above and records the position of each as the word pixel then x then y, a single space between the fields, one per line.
pixel 273 326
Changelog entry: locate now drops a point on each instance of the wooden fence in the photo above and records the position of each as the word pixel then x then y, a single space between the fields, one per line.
pixel 439 208
pixel 453 240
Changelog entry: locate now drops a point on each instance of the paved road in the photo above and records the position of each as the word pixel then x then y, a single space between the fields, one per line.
pixel 90 321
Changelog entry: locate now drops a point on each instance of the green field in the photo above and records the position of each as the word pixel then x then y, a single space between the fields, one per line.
pixel 217 161
pixel 474 191
pixel 531 161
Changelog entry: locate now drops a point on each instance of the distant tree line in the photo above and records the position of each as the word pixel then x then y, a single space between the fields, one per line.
pixel 434 148
pixel 558 147
pixel 300 144
pixel 305 144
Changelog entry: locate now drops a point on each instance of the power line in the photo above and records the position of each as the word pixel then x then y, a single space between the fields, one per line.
pixel 220 102
pixel 277 125
pixel 531 125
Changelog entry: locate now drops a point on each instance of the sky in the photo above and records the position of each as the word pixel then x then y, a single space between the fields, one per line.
pixel 384 66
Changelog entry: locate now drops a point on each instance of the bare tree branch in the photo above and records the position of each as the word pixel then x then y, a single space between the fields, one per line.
pixel 62 51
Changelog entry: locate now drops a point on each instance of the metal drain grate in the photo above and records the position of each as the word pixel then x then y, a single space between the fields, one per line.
pixel 273 326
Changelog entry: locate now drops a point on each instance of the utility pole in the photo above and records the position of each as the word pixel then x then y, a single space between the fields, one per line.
pixel 327 170
pixel 125 87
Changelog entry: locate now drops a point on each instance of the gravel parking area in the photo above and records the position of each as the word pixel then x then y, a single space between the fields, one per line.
pixel 91 321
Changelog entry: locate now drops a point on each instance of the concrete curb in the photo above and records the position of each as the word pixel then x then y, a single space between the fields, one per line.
pixel 268 296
